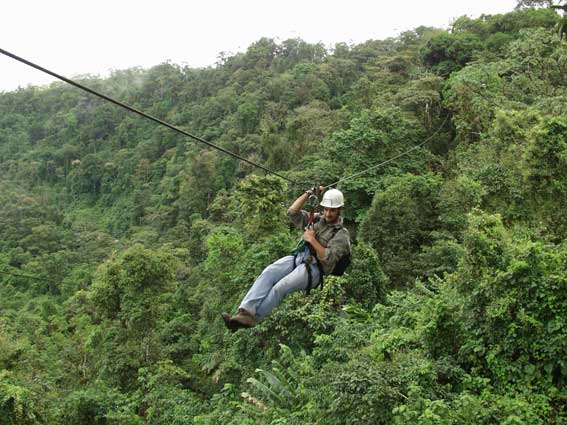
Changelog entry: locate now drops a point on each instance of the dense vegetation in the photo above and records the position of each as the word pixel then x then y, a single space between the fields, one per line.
pixel 121 241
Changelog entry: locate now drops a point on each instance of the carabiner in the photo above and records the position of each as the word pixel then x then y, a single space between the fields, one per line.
pixel 313 201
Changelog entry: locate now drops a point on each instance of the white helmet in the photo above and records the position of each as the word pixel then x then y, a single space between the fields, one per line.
pixel 333 199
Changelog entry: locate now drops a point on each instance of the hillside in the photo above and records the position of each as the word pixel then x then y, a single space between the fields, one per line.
pixel 121 241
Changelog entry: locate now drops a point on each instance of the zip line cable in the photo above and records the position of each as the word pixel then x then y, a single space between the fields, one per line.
pixel 391 159
pixel 199 139
pixel 143 114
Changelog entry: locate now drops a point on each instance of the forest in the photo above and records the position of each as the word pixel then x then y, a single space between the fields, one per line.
pixel 121 241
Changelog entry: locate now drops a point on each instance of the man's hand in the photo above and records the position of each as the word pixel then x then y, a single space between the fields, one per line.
pixel 312 190
pixel 309 235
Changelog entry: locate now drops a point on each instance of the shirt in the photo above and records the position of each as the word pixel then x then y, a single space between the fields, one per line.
pixel 336 242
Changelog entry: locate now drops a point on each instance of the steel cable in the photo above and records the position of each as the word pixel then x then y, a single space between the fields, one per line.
pixel 145 115
pixel 391 159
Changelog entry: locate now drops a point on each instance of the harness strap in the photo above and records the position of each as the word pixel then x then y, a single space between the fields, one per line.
pixel 309 277
pixel 308 262
pixel 310 272
pixel 321 274
pixel 314 255
pixel 308 269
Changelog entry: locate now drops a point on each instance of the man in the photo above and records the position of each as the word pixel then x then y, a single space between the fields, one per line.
pixel 329 241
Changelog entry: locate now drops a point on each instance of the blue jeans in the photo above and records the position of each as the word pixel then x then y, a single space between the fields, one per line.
pixel 277 281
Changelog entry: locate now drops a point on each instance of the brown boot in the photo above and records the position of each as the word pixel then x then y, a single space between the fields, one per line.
pixel 232 326
pixel 244 319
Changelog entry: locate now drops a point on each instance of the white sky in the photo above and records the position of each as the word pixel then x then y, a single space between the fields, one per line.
pixel 73 37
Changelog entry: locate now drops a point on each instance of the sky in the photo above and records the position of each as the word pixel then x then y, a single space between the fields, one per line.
pixel 73 38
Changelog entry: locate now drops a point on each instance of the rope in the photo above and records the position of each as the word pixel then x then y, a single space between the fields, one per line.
pixel 145 115
pixel 391 159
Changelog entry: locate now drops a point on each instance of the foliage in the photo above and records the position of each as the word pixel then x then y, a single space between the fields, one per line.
pixel 400 221
pixel 447 53
pixel 259 204
pixel 17 404
pixel 545 157
pixel 370 138
pixel 365 283
pixel 513 298
pixel 121 242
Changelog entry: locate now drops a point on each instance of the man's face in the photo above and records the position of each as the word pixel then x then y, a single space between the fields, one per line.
pixel 331 214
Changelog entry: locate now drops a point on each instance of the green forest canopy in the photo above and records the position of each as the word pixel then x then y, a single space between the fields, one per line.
pixel 121 241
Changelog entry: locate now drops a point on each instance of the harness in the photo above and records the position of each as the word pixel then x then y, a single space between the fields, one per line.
pixel 302 246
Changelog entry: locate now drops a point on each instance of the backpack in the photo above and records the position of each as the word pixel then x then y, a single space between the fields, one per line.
pixel 342 265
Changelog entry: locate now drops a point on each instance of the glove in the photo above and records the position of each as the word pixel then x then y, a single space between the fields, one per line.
pixel 311 191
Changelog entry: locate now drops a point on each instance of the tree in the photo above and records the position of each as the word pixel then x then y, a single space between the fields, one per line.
pixel 372 137
pixel 546 172
pixel 400 223
pixel 512 309
pixel 259 203
pixel 446 53
pixel 86 175
pixel 17 405
pixel 131 295
pixel 535 3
